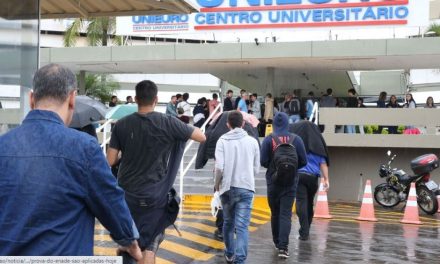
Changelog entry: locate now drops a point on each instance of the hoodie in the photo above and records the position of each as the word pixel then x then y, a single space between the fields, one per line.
pixel 237 157
pixel 281 130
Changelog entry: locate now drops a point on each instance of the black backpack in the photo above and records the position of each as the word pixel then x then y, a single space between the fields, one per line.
pixel 285 161
pixel 294 107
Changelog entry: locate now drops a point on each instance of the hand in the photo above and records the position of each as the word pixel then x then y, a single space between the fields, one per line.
pixel 326 185
pixel 133 250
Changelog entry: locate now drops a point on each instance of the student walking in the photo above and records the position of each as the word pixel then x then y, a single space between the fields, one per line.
pixel 237 158
pixel 152 146
pixel 282 178
pixel 309 175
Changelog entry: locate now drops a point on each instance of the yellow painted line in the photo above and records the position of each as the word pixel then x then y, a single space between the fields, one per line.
pixel 100 227
pixel 206 228
pixel 384 223
pixel 210 218
pixel 186 251
pixel 391 215
pixel 104 251
pixel 205 211
pixel 163 261
pixel 197 239
pixel 103 238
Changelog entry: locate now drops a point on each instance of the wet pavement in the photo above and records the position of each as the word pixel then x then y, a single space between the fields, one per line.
pixel 339 240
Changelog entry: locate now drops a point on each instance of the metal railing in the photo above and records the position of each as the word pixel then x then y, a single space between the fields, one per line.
pixel 184 170
pixel 106 129
pixel 315 113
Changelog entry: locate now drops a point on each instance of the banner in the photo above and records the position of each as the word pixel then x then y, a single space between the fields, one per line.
pixel 235 15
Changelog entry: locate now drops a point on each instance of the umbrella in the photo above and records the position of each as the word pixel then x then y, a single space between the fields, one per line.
pixel 121 111
pixel 87 111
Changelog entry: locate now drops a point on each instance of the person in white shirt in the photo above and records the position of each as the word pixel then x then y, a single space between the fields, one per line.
pixel 184 109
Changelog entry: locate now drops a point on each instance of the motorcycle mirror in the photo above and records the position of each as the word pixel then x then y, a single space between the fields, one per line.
pixel 389 153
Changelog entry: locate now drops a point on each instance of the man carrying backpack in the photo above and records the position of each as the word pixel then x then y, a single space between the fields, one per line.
pixel 282 153
pixel 293 109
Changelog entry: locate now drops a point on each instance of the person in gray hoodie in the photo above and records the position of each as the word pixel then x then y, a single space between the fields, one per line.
pixel 237 158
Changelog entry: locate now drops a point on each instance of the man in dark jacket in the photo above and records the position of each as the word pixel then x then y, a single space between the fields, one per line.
pixel 281 197
pixel 227 105
pixel 148 142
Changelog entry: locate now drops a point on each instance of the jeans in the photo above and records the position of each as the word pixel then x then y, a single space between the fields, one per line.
pixel 293 119
pixel 237 206
pixel 281 202
pixel 350 129
pixel 307 188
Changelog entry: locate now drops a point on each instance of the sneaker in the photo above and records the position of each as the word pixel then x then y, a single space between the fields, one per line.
pixel 218 234
pixel 303 238
pixel 229 259
pixel 283 253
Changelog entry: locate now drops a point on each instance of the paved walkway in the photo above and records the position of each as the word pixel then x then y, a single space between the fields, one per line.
pixel 339 240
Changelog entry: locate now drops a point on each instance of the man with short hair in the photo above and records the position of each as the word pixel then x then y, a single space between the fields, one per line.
pixel 152 146
pixel 171 107
pixel 55 181
pixel 129 100
pixel 237 100
pixel 255 106
pixel 227 105
pixel 293 109
pixel 113 101
pixel 213 103
pixel 236 163
pixel 242 106
pixel 328 100
pixel 309 105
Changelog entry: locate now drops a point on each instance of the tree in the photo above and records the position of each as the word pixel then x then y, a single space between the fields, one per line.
pixel 98 32
pixel 101 87
pixel 435 29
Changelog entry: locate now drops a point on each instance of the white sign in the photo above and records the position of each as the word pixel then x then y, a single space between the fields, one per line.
pixel 227 15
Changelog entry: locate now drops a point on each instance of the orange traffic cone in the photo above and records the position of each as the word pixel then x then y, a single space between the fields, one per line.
pixel 321 209
pixel 411 215
pixel 367 208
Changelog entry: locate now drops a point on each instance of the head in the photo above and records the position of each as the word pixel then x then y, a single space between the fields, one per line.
pixel 54 89
pixel 201 101
pixel 311 94
pixel 173 99
pixel 393 99
pixel 245 96
pixel 269 96
pixel 129 99
pixel 280 123
pixel 114 99
pixel 351 92
pixel 430 101
pixel 178 97
pixel 215 97
pixel 254 97
pixel 409 97
pixel 329 91
pixel 242 92
pixel 229 93
pixel 185 97
pixel 146 94
pixel 383 96
pixel 235 119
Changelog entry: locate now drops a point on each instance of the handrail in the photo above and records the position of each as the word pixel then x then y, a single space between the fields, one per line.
pixel 184 171
pixel 315 113
pixel 107 128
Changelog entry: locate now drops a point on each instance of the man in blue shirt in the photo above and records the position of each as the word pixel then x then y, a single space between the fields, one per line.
pixel 281 197
pixel 55 180
pixel 242 106
pixel 172 107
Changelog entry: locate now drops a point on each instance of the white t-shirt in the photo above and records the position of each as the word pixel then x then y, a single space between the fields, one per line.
pixel 186 108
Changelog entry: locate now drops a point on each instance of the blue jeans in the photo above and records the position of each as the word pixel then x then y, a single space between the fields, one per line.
pixel 294 118
pixel 237 206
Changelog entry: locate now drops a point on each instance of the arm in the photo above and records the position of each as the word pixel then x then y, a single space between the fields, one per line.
pixel 112 156
pixel 265 152
pixel 198 135
pixel 324 171
pixel 256 158
pixel 114 147
pixel 301 151
pixel 107 203
pixel 219 164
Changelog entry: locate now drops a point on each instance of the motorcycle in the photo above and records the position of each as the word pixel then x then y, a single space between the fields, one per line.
pixel 398 183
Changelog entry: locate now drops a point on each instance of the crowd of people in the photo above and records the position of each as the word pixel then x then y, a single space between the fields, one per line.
pixel 55 180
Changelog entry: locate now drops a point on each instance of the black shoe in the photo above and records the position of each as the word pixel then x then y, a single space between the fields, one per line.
pixel 218 234
pixel 283 253
pixel 229 259
pixel 303 238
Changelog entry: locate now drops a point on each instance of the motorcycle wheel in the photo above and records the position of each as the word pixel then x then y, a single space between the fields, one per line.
pixel 386 196
pixel 426 200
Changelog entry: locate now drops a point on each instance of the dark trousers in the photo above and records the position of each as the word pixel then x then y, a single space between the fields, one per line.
pixel 281 202
pixel 219 221
pixel 305 194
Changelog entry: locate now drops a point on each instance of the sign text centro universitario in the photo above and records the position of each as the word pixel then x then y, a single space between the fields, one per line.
pixel 282 14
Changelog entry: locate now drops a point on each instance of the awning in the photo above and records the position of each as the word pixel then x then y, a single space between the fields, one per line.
pixel 96 8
